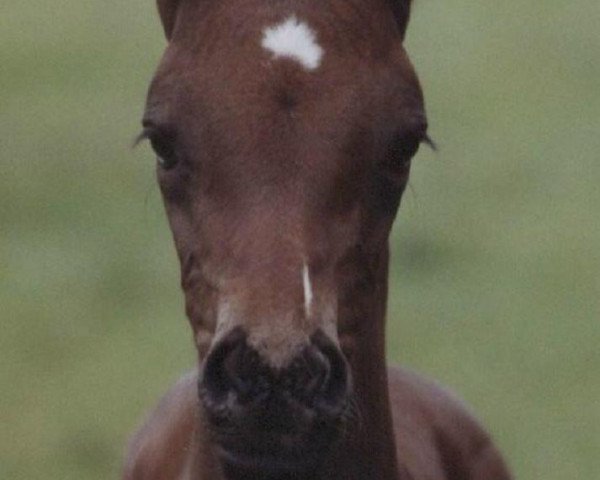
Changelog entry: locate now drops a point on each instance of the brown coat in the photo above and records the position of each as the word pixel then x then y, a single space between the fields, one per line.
pixel 437 438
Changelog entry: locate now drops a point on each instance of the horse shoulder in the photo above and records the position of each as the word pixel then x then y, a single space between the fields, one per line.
pixel 160 449
pixel 437 437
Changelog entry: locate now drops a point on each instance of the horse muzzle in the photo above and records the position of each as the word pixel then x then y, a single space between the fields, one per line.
pixel 275 420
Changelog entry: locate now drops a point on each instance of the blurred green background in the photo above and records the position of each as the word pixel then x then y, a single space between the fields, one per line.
pixel 496 271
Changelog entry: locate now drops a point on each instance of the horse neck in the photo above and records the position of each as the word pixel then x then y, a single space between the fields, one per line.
pixel 368 450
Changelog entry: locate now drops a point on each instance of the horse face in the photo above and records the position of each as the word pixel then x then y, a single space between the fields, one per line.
pixel 284 139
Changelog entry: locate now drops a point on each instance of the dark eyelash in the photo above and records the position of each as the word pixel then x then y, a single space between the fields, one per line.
pixel 140 138
pixel 427 140
pixel 161 140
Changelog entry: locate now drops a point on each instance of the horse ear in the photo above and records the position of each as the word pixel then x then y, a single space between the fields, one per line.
pixel 168 13
pixel 401 9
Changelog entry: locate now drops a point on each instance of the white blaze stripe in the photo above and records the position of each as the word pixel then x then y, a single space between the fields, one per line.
pixel 308 293
pixel 296 40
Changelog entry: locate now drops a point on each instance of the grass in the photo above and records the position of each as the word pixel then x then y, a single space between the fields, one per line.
pixel 495 285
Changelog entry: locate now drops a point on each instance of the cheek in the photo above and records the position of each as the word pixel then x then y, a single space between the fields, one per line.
pixel 202 309
pixel 181 229
pixel 386 192
pixel 193 251
pixel 175 185
pixel 187 220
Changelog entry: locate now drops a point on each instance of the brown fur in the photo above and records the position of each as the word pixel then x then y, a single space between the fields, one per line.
pixel 274 169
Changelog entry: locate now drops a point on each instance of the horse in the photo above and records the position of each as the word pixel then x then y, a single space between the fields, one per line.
pixel 284 132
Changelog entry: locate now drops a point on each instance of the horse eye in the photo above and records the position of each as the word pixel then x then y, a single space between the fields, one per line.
pixel 166 163
pixel 404 147
pixel 163 146
pixel 400 152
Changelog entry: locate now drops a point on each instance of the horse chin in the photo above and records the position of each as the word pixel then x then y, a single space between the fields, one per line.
pixel 274 455
pixel 272 465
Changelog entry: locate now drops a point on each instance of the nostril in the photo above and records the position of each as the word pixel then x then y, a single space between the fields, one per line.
pixel 309 374
pixel 319 376
pixel 235 366
pixel 232 368
pixel 319 371
pixel 235 375
pixel 216 378
pixel 336 384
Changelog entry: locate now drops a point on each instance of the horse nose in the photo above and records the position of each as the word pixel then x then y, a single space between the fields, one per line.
pixel 234 369
pixel 318 377
pixel 236 376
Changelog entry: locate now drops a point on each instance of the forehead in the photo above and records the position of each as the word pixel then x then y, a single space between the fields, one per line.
pixel 245 88
pixel 344 24
pixel 227 49
pixel 294 98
